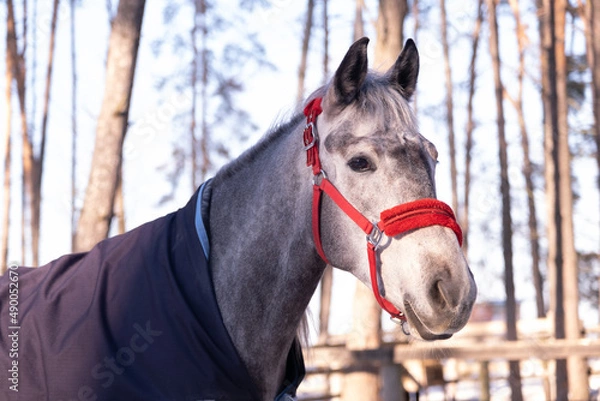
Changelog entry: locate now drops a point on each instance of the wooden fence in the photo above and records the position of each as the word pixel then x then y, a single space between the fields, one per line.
pixel 411 366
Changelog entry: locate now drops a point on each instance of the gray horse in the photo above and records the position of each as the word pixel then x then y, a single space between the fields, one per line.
pixel 205 303
pixel 264 261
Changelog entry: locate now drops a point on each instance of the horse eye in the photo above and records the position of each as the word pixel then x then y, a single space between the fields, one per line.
pixel 360 164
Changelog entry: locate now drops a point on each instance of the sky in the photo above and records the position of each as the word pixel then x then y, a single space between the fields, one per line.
pixel 269 97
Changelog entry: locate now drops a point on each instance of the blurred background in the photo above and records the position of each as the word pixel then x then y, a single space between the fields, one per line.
pixel 113 112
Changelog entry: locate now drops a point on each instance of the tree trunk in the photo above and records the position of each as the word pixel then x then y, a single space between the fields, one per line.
pixel 194 88
pixel 470 126
pixel 305 46
pixel 201 162
pixel 590 15
pixel 363 383
pixel 7 150
pixel 325 41
pixel 511 318
pixel 19 74
pixel 483 365
pixel 73 125
pixel 577 367
pixel 38 161
pixel 390 28
pixel 324 312
pixel 359 28
pixel 449 107
pixel 417 25
pixel 97 211
pixel 595 65
pixel 552 174
pixel 527 167
pixel 27 147
pixel 120 205
pixel 327 279
pixel 205 163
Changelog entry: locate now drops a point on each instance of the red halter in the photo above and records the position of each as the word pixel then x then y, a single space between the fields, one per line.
pixel 397 220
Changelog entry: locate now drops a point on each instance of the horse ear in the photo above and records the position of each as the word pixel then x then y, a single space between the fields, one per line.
pixel 405 71
pixel 351 74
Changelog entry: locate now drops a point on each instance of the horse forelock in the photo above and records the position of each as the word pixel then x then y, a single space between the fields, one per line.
pixel 378 100
pixel 381 101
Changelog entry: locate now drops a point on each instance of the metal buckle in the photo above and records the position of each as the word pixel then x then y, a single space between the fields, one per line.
pixel 375 237
pixel 313 132
pixel 321 175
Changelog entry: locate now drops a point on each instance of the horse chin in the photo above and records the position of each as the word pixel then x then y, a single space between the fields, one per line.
pixel 419 330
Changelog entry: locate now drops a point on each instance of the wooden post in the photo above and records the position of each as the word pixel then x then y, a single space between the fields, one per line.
pixel 363 382
pixel 484 381
pixel 391 385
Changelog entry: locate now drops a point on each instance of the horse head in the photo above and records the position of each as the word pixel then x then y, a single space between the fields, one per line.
pixel 371 151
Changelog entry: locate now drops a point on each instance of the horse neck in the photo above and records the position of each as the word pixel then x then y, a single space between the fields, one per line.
pixel 264 265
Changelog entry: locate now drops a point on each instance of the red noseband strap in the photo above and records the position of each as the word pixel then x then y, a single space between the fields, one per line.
pixel 418 214
pixel 398 220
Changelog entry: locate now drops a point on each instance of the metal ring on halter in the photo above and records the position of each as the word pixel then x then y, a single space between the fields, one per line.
pixel 375 237
pixel 320 175
pixel 404 326
pixel 402 323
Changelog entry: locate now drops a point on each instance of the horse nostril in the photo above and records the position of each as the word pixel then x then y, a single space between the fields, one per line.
pixel 443 296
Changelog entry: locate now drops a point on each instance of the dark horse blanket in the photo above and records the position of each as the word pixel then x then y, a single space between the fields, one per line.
pixel 133 319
